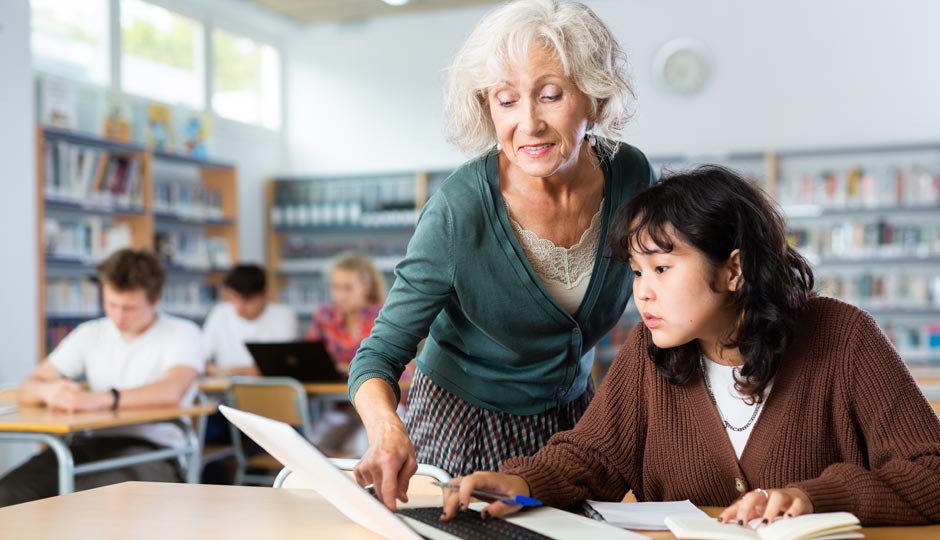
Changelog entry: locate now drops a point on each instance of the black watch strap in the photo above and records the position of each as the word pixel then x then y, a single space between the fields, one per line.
pixel 117 398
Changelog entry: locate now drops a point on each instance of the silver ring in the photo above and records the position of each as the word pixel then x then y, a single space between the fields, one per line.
pixel 763 491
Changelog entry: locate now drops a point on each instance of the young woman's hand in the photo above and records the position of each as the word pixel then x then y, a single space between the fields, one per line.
pixel 767 504
pixel 459 499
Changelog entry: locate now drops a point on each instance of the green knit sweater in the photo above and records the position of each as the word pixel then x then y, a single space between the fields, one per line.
pixel 496 336
pixel 845 422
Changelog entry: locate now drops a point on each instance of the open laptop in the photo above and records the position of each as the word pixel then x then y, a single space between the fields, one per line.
pixel 339 489
pixel 306 361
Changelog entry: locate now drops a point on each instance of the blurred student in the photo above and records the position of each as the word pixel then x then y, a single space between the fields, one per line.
pixel 357 290
pixel 134 357
pixel 245 317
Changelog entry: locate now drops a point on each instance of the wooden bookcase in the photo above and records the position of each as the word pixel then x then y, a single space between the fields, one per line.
pixel 96 195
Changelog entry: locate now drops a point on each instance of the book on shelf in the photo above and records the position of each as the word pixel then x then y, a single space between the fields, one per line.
pixel 159 126
pixel 90 175
pixel 823 526
pixel 90 239
pixel 116 123
pixel 58 102
pixel 70 297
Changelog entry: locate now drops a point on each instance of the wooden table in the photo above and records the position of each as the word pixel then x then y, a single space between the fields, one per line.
pixel 41 425
pixel 153 511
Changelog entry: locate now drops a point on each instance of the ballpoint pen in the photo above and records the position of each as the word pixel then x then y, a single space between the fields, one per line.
pixel 492 496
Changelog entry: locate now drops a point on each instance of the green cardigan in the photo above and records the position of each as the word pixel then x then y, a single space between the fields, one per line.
pixel 497 338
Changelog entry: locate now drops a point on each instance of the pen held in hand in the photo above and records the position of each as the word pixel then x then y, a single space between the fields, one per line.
pixel 493 496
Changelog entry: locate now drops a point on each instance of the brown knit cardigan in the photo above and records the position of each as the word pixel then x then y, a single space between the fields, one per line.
pixel 844 422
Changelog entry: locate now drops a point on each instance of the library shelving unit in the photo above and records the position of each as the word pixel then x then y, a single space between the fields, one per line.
pixel 867 219
pixel 97 195
pixel 310 220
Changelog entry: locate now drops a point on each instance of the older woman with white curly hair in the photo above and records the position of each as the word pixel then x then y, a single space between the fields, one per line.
pixel 507 274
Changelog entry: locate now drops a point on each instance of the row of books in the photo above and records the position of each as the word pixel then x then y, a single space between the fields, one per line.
pixel 917 343
pixel 187 199
pixel 193 250
pixel 90 175
pixel 855 239
pixel 192 299
pixel 858 187
pixel 90 239
pixel 310 247
pixel 72 297
pixel 340 215
pixel 897 289
pixel 386 201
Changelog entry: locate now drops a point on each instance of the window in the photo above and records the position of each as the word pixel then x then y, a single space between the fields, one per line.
pixel 71 38
pixel 246 80
pixel 161 54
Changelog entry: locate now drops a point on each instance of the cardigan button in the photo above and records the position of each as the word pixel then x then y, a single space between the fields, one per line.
pixel 739 485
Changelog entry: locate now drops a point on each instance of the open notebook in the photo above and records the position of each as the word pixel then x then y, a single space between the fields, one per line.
pixel 824 526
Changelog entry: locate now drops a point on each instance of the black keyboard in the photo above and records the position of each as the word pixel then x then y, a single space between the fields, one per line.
pixel 470 526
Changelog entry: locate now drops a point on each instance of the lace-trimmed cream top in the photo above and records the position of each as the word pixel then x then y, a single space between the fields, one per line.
pixel 565 272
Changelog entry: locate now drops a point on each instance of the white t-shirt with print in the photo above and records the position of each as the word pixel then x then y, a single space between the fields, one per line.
pixel 226 333
pixel 96 351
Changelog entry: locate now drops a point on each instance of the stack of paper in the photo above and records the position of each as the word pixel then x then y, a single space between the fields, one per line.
pixel 645 516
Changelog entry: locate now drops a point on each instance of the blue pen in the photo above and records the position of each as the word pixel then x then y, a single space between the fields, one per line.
pixel 491 496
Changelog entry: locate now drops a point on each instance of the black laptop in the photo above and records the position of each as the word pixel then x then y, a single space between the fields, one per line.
pixel 306 361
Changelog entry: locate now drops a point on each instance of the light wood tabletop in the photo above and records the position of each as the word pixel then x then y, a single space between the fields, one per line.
pixel 146 511
pixel 43 420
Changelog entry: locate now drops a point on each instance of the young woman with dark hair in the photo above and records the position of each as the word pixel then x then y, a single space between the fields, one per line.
pixel 741 388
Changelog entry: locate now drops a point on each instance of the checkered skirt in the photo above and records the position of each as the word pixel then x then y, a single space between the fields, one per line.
pixel 462 438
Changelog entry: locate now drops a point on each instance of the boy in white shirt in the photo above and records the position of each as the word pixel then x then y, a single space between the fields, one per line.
pixel 134 357
pixel 246 317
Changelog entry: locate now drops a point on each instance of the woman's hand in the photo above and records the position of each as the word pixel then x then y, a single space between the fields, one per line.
pixel 767 504
pixel 509 484
pixel 388 464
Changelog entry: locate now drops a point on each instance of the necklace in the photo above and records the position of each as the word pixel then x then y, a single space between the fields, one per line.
pixel 711 394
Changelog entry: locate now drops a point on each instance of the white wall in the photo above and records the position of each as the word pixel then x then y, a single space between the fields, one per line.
pixel 18 282
pixel 800 74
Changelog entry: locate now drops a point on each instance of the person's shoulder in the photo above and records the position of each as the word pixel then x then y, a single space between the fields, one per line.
pixel 220 310
pixel 171 325
pixel 280 310
pixel 826 312
pixel 93 329
pixel 630 155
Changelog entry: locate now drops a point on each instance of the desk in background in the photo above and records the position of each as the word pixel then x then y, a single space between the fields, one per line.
pixel 41 425
pixel 154 511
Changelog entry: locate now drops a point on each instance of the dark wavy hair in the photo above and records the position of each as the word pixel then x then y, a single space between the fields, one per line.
pixel 716 211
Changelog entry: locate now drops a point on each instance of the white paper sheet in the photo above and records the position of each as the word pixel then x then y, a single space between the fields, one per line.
pixel 644 516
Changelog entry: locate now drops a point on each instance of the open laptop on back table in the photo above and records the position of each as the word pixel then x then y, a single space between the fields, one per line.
pixel 306 361
pixel 339 489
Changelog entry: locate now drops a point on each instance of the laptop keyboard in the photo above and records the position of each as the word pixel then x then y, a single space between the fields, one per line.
pixel 470 526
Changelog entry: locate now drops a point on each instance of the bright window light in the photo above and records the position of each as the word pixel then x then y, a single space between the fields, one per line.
pixel 161 54
pixel 71 38
pixel 246 80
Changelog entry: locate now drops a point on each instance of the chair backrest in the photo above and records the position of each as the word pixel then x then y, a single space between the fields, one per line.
pixel 279 398
pixel 420 484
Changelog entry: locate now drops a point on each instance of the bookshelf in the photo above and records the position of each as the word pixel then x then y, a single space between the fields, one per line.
pixel 312 219
pixel 868 221
pixel 867 218
pixel 96 195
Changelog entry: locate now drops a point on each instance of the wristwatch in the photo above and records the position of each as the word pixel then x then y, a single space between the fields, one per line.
pixel 117 398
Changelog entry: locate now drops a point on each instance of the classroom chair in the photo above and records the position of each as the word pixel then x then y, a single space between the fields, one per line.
pixel 279 398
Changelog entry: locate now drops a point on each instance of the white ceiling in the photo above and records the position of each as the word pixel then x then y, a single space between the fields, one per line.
pixel 311 11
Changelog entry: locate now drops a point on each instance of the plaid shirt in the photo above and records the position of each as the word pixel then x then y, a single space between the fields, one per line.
pixel 328 326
